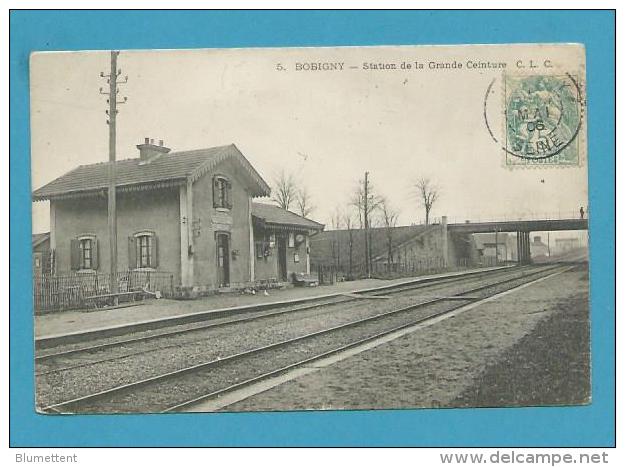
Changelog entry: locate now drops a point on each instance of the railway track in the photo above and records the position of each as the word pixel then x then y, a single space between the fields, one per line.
pixel 55 361
pixel 177 390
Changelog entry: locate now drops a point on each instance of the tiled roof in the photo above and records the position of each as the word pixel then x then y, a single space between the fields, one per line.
pixel 275 215
pixel 39 238
pixel 169 168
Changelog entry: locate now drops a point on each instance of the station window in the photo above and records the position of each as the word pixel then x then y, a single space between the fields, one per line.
pixel 86 250
pixel 222 192
pixel 84 253
pixel 143 250
pixel 144 245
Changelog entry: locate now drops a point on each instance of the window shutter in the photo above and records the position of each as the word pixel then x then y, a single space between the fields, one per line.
pixel 154 252
pixel 132 253
pixel 74 255
pixel 229 194
pixel 215 191
pixel 94 254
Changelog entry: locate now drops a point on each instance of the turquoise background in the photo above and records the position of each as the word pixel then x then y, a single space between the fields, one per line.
pixel 593 425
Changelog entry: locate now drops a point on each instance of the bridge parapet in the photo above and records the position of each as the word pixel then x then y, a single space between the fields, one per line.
pixel 507 217
pixel 534 225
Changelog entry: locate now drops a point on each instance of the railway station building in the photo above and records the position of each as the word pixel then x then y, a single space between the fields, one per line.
pixel 191 214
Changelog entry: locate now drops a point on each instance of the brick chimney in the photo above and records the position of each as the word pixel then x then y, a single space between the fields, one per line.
pixel 148 150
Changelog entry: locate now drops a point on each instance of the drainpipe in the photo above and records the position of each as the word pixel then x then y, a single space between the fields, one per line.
pixel 184 238
pixel 252 246
pixel 53 257
pixel 191 250
pixel 186 233
pixel 444 243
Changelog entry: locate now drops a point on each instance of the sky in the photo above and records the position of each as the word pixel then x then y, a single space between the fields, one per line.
pixel 327 127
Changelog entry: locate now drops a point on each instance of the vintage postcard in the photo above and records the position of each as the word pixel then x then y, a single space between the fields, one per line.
pixel 310 228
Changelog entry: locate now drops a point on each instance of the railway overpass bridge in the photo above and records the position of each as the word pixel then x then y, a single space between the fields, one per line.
pixel 522 227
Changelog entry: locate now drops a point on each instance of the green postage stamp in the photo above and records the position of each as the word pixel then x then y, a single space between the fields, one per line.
pixel 543 116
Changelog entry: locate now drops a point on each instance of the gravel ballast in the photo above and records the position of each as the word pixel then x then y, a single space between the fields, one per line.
pixel 149 399
pixel 526 348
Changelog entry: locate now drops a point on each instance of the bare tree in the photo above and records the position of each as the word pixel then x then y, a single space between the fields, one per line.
pixel 367 202
pixel 427 194
pixel 389 218
pixel 304 205
pixel 348 221
pixel 356 202
pixel 285 190
pixel 337 219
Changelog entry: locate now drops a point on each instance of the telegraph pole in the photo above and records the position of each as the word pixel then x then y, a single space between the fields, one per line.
pixel 112 169
pixel 366 213
pixel 496 249
pixel 548 245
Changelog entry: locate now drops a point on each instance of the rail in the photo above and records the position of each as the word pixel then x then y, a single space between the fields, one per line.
pixel 87 403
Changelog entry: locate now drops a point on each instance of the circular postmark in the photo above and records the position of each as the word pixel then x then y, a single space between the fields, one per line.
pixel 542 117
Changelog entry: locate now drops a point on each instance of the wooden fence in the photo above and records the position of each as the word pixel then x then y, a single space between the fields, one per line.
pixel 71 291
